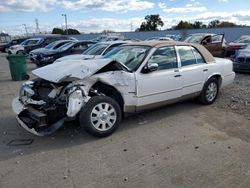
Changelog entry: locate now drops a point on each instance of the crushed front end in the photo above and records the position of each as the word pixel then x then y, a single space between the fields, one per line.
pixel 42 106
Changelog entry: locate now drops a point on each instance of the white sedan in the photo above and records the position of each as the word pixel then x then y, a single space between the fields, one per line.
pixel 129 79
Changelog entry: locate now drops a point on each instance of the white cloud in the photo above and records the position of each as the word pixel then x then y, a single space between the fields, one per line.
pixel 188 8
pixel 26 5
pixel 108 5
pixel 45 5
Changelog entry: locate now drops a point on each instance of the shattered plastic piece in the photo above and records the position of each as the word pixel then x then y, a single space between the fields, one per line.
pixel 196 147
pixel 20 142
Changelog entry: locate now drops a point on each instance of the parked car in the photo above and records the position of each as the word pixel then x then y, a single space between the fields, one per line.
pixel 49 56
pixel 20 49
pixel 4 47
pixel 215 43
pixel 160 38
pixel 238 44
pixel 109 37
pixel 52 46
pixel 34 43
pixel 242 60
pixel 96 51
pixel 129 79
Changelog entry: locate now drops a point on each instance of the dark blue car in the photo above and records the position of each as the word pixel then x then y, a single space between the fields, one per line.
pixel 242 60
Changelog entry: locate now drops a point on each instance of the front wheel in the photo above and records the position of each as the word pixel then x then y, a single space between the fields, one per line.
pixel 209 92
pixel 20 52
pixel 100 116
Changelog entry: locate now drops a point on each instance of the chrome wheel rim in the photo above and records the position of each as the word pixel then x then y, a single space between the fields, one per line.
pixel 103 116
pixel 211 91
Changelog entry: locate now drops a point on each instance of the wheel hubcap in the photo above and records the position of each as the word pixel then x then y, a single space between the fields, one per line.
pixel 103 116
pixel 211 91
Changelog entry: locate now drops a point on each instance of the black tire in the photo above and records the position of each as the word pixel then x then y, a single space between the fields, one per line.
pixel 20 52
pixel 25 77
pixel 203 98
pixel 87 113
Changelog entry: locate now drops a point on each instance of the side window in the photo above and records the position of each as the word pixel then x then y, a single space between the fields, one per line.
pixel 217 38
pixel 80 47
pixel 186 55
pixel 165 57
pixel 111 48
pixel 198 56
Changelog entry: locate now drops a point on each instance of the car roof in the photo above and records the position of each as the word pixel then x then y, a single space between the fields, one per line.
pixel 34 39
pixel 202 34
pixel 156 43
pixel 83 41
pixel 113 42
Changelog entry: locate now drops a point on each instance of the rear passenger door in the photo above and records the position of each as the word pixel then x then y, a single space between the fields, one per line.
pixel 193 69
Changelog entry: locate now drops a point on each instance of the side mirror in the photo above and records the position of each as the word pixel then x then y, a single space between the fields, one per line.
pixel 150 68
pixel 204 42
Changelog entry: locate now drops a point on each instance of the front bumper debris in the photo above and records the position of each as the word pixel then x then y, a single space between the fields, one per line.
pixel 34 121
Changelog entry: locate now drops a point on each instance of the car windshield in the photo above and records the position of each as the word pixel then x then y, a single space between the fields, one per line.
pixel 194 38
pixel 130 56
pixel 51 45
pixel 243 40
pixel 31 42
pixel 96 49
pixel 65 46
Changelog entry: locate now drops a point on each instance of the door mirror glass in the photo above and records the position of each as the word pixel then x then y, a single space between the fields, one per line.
pixel 150 68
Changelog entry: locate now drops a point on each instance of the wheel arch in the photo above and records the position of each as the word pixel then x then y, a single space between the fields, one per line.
pixel 216 76
pixel 110 91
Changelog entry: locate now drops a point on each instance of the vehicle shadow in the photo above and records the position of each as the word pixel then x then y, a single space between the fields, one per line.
pixel 71 135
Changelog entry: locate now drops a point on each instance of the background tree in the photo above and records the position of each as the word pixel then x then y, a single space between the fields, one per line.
pixel 227 24
pixel 63 32
pixel 213 24
pixel 183 25
pixel 72 32
pixel 197 25
pixel 57 31
pixel 152 23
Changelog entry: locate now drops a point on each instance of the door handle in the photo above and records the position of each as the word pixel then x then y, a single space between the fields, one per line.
pixel 178 75
pixel 205 70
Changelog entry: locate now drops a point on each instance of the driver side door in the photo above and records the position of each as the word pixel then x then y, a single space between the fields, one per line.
pixel 163 84
pixel 215 45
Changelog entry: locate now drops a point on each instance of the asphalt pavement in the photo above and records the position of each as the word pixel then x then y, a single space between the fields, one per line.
pixel 181 145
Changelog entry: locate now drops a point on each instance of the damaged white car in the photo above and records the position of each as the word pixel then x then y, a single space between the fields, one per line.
pixel 131 78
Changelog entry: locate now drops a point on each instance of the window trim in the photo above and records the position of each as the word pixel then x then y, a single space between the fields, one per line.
pixel 177 61
pixel 191 47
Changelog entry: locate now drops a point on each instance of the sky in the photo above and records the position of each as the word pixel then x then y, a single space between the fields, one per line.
pixel 117 15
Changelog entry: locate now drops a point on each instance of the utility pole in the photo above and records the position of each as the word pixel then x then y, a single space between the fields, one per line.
pixel 131 26
pixel 37 26
pixel 66 24
pixel 25 27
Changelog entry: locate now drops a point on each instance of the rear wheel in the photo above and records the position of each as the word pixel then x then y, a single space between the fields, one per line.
pixel 100 116
pixel 209 92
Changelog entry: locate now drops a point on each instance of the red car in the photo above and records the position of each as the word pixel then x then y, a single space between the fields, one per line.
pixel 238 44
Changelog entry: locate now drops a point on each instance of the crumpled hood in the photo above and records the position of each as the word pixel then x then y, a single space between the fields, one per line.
pixel 77 57
pixel 80 69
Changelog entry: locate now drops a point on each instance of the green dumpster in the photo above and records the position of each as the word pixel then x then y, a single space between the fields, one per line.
pixel 18 67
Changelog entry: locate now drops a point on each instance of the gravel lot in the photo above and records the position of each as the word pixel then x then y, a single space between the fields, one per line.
pixel 236 97
pixel 181 145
